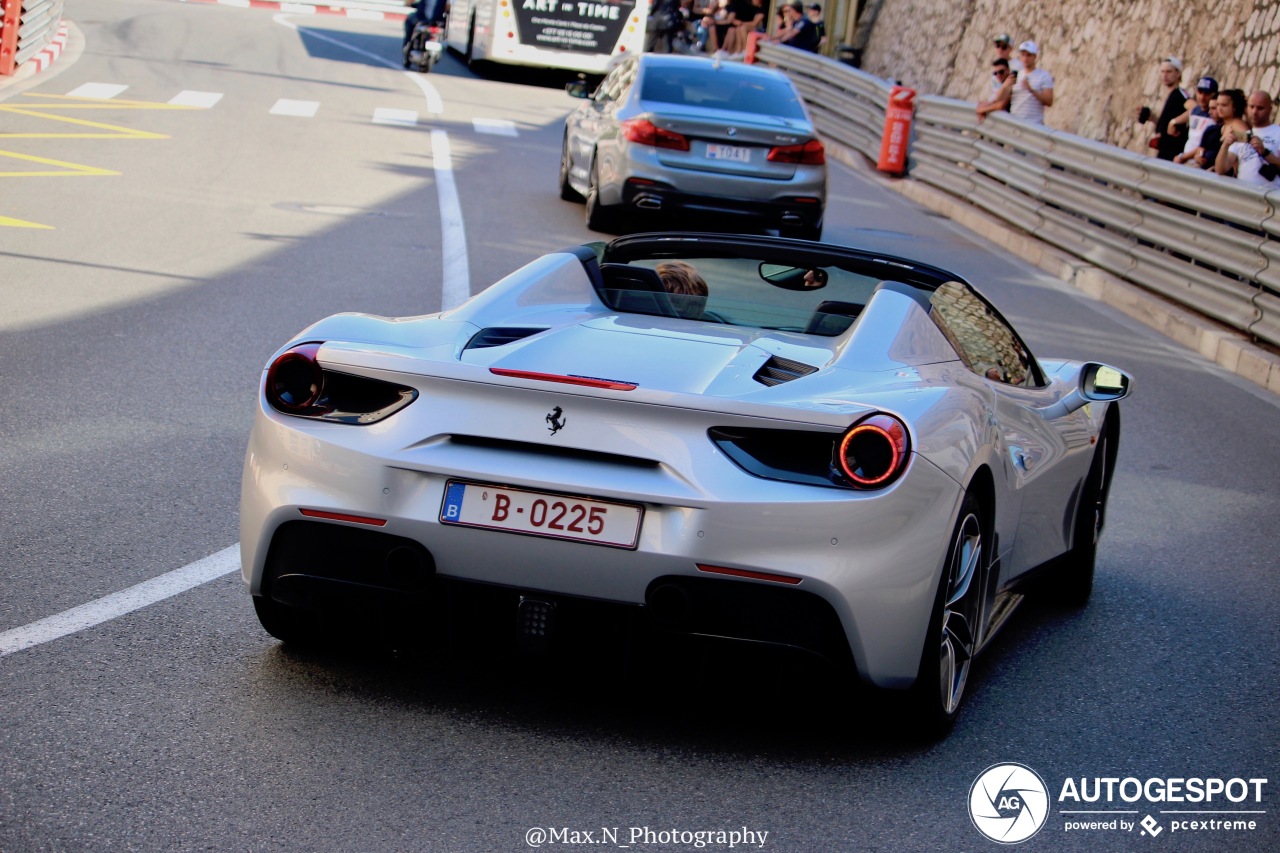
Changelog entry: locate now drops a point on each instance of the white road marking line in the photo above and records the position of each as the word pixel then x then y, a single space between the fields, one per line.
pixel 96 90
pixel 119 603
pixel 456 287
pixel 190 98
pixel 457 274
pixel 403 118
pixel 435 105
pixel 495 126
pixel 302 109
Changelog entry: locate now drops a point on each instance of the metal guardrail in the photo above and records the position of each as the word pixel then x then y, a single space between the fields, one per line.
pixel 40 19
pixel 26 28
pixel 1209 243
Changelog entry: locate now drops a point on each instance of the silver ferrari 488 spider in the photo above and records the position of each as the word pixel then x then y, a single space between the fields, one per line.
pixel 754 438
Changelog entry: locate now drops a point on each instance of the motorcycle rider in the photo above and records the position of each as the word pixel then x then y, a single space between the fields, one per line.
pixel 423 10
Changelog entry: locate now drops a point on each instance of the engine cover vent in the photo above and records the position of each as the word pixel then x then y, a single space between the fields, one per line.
pixel 777 370
pixel 497 336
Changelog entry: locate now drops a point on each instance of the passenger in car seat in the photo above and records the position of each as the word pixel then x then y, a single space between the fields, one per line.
pixel 687 287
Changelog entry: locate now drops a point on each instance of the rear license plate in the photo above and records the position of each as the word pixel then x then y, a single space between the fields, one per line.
pixel 728 152
pixel 539 514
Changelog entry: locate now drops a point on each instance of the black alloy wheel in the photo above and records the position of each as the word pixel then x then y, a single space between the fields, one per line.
pixel 599 217
pixel 955 630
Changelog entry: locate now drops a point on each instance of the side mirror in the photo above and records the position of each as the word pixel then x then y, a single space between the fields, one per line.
pixel 1095 383
pixel 577 88
pixel 1100 383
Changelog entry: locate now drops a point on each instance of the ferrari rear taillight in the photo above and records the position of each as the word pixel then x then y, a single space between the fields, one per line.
pixel 644 132
pixel 810 153
pixel 298 385
pixel 295 380
pixel 873 452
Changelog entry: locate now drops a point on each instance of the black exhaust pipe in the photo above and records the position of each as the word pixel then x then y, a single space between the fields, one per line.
pixel 670 606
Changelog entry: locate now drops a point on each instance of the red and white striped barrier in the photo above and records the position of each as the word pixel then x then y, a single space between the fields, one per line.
pixel 308 9
pixel 52 51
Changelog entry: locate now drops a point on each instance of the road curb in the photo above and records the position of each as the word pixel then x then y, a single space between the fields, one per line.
pixel 1226 347
pixel 67 42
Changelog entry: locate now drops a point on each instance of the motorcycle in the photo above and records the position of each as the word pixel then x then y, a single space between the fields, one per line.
pixel 423 49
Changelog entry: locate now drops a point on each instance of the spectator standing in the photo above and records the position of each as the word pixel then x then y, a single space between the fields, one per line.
pixel 1166 144
pixel 1198 119
pixel 815 14
pixel 1000 89
pixel 800 31
pixel 1034 91
pixel 1230 106
pixel 1256 157
pixel 1003 44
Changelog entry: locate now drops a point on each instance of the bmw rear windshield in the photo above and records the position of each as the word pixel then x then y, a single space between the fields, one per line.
pixel 727 87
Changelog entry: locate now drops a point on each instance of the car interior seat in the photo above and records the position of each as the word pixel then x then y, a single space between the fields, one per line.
pixel 635 289
pixel 833 318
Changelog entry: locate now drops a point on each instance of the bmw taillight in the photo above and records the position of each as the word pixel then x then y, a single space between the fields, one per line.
pixel 298 385
pixel 644 132
pixel 873 452
pixel 810 153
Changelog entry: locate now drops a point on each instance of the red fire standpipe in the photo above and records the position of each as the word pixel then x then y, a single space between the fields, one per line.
pixel 897 130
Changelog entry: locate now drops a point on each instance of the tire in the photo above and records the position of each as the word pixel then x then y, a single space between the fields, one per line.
pixel 567 192
pixel 599 217
pixel 291 626
pixel 955 628
pixel 1072 580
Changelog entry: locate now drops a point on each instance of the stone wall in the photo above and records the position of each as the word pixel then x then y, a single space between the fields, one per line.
pixel 1104 54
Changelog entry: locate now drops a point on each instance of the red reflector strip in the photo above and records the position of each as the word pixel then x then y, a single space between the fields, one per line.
pixel 565 380
pixel 342 516
pixel 746 573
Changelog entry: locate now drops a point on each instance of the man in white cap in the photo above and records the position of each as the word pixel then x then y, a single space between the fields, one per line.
pixel 1033 88
pixel 1167 144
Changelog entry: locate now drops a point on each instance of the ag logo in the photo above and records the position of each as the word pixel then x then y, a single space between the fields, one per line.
pixel 1008 803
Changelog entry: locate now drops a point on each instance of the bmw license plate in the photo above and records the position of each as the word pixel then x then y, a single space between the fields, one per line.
pixel 736 153
pixel 539 514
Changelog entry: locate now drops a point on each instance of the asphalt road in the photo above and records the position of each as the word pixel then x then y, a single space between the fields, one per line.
pixel 181 246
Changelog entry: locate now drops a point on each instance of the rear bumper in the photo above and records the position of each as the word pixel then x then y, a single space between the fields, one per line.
pixel 657 199
pixel 868 564
pixel 349 574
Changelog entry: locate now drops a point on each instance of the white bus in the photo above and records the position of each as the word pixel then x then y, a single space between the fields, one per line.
pixel 577 35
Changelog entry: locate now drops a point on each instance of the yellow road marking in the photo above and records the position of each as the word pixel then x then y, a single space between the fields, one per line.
pixel 10 222
pixel 66 169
